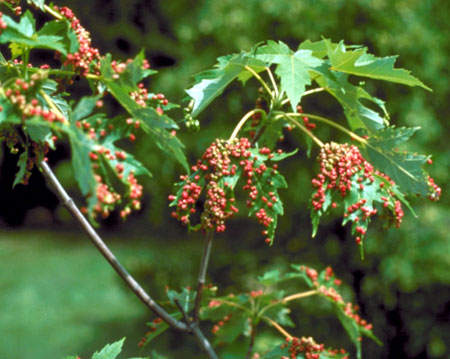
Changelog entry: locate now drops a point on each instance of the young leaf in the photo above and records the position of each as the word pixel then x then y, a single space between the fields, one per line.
pixel 38 3
pixel 293 68
pixel 81 146
pixel 210 84
pixel 85 107
pixel 319 48
pixel 23 33
pixel 109 351
pixel 360 63
pixel 403 167
pixel 22 164
pixel 121 90
pixel 350 96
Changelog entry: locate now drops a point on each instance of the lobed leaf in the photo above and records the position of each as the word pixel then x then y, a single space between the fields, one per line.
pixel 24 34
pixel 403 167
pixel 109 351
pixel 350 96
pixel 210 84
pixel 358 62
pixel 293 68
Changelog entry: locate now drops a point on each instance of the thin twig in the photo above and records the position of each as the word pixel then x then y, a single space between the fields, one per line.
pixel 242 122
pixel 302 128
pixel 272 79
pixel 278 327
pixel 121 271
pixel 182 311
pixel 202 274
pixel 252 341
pixel 306 93
pixel 106 252
pixel 299 296
pixel 332 124
pixel 261 81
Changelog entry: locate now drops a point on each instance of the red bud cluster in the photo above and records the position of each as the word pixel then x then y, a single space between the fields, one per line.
pixel 342 169
pixel 309 349
pixel 212 174
pixel 329 291
pixel 86 54
pixel 309 126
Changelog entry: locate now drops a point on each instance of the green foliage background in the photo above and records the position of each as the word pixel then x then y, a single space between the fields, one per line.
pixel 65 300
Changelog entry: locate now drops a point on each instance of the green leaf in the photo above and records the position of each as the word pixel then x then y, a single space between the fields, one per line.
pixel 233 328
pixel 8 114
pixel 109 351
pixel 167 142
pixel 39 3
pixel 210 84
pixel 267 185
pixel 81 146
pixel 360 63
pixel 150 118
pixel 134 72
pixel 85 107
pixel 350 327
pixel 24 34
pixel 270 277
pixel 22 164
pixel 403 167
pixel 159 328
pixel 350 96
pixel 319 48
pixel 293 68
pixel 38 130
pixel 185 298
pixel 64 31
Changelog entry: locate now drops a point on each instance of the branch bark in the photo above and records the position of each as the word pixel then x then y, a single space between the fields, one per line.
pixel 119 268
pixel 202 274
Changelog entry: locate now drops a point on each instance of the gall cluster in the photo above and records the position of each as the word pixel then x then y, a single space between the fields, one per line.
pixel 344 173
pixel 214 177
pixel 86 56
pixel 309 349
pixel 327 290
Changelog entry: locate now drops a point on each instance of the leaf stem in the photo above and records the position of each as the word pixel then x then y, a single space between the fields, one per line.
pixel 306 93
pixel 259 78
pixel 51 104
pixel 287 299
pixel 202 273
pixel 332 124
pixel 120 269
pixel 298 296
pixel 242 122
pixel 302 128
pixel 272 79
pixel 53 12
pixel 252 341
pixel 278 327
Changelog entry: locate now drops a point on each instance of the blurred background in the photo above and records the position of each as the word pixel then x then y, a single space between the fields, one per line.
pixel 58 296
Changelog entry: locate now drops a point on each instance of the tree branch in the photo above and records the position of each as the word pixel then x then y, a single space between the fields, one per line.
pixel 122 272
pixel 106 252
pixel 202 273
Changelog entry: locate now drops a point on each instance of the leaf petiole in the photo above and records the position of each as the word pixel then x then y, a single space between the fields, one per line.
pixel 301 127
pixel 260 79
pixel 332 124
pixel 242 122
pixel 306 93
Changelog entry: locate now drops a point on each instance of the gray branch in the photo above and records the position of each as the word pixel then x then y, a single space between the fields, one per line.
pixel 202 274
pixel 119 268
